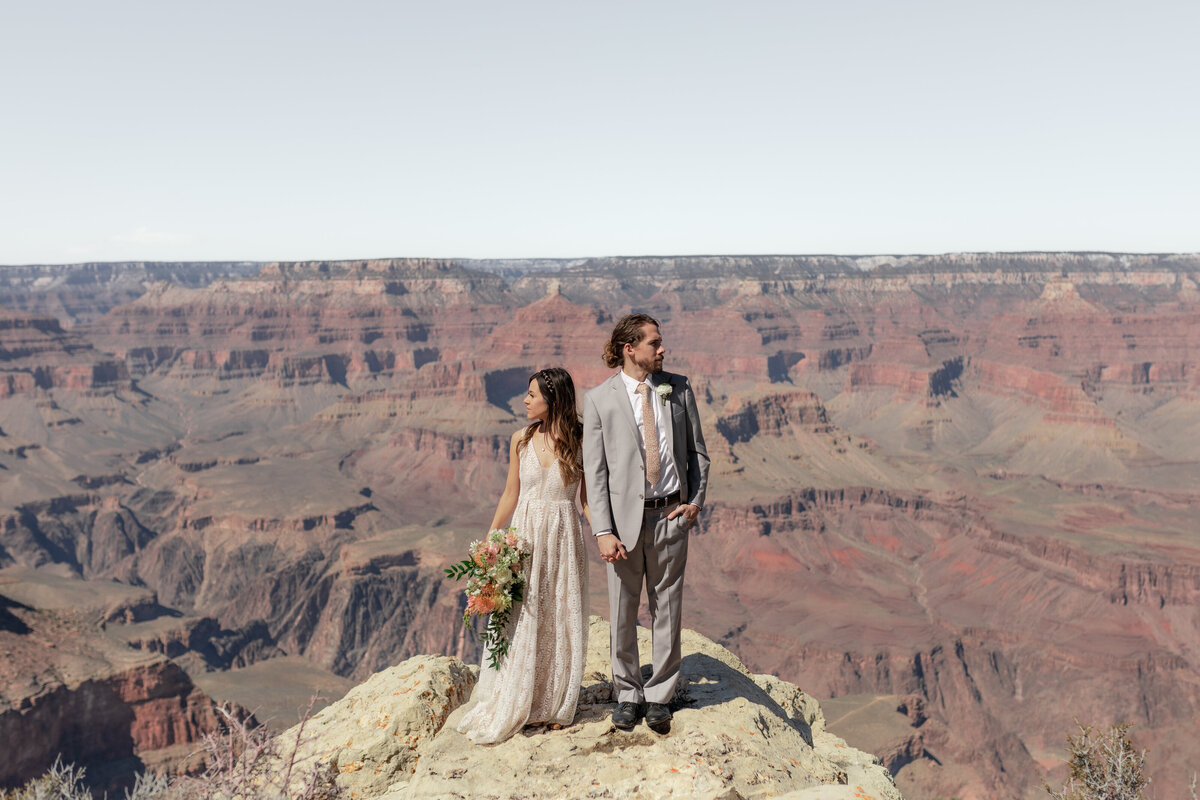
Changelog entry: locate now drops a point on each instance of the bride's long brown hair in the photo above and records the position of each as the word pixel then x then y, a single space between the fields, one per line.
pixel 562 421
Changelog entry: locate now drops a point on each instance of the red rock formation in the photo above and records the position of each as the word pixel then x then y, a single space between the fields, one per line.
pixel 774 415
pixel 37 354
pixel 66 692
pixel 1063 399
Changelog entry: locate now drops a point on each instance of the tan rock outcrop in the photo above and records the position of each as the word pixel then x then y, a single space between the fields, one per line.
pixel 736 735
pixel 375 735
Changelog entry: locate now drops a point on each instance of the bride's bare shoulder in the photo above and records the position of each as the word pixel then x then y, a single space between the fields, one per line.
pixel 515 439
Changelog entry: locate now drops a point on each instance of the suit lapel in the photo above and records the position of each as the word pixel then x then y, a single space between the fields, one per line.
pixel 679 443
pixel 621 398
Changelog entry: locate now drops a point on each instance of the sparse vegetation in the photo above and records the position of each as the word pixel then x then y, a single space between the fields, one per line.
pixel 244 762
pixel 61 782
pixel 1104 766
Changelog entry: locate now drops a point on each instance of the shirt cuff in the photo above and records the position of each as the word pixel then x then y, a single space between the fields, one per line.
pixel 601 533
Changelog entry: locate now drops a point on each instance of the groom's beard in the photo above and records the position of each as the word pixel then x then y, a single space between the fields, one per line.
pixel 652 365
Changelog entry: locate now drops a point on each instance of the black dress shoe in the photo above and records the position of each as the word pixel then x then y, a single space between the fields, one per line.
pixel 658 717
pixel 625 716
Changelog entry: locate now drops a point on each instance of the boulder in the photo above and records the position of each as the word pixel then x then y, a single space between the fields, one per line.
pixel 373 737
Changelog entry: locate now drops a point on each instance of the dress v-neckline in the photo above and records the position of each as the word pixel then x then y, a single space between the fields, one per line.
pixel 537 458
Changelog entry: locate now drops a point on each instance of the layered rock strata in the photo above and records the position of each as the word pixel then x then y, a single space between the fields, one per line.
pixel 965 478
pixel 68 691
pixel 37 354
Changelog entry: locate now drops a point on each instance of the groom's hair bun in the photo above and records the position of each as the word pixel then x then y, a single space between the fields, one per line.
pixel 627 331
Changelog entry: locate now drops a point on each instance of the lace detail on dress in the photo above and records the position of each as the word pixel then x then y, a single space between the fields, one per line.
pixel 538 681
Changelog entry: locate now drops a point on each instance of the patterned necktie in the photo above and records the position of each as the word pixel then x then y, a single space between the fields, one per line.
pixel 649 435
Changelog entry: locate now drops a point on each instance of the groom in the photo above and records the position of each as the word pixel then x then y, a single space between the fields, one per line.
pixel 646 470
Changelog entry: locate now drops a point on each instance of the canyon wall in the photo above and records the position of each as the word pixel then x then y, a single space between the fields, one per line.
pixel 964 480
pixel 71 690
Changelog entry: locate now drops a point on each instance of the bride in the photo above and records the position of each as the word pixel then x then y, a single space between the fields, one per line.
pixel 538 681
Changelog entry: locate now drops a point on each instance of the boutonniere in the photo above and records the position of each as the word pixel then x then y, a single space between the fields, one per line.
pixel 663 390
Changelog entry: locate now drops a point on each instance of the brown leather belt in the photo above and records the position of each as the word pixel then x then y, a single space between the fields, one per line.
pixel 662 502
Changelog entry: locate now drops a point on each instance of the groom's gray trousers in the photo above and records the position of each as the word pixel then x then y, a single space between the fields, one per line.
pixel 657 560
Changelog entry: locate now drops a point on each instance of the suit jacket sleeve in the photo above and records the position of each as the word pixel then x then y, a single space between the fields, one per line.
pixel 595 467
pixel 697 452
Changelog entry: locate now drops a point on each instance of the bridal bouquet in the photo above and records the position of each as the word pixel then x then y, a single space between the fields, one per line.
pixel 495 583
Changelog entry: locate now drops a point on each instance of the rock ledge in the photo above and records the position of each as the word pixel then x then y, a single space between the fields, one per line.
pixel 735 735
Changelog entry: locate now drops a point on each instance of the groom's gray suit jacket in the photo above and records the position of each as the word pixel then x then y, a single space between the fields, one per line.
pixel 612 454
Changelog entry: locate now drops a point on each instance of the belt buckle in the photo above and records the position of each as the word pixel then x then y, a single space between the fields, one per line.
pixel 661 502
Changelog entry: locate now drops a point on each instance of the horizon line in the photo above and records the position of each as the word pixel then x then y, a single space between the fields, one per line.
pixel 590 257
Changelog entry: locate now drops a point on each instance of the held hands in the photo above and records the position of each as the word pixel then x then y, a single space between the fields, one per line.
pixel 611 548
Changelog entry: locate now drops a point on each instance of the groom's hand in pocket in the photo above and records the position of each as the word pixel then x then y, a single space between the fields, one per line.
pixel 611 548
pixel 688 511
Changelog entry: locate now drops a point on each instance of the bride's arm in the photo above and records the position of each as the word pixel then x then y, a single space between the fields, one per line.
pixel 512 487
pixel 587 512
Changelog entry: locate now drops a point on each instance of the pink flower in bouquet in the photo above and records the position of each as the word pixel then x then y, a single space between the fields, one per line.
pixel 484 602
pixel 511 539
pixel 481 605
pixel 493 552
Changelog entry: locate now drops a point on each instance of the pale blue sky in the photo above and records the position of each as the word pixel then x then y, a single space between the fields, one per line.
pixel 171 130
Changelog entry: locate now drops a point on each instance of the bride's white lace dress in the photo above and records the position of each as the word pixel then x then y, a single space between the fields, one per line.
pixel 538 682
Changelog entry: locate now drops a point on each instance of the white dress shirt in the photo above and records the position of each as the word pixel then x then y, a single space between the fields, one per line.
pixel 668 476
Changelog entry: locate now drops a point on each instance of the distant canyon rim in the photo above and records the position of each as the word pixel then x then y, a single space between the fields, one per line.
pixel 955 495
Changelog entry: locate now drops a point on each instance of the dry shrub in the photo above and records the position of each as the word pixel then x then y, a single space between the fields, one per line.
pixel 1104 766
pixel 61 782
pixel 243 762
